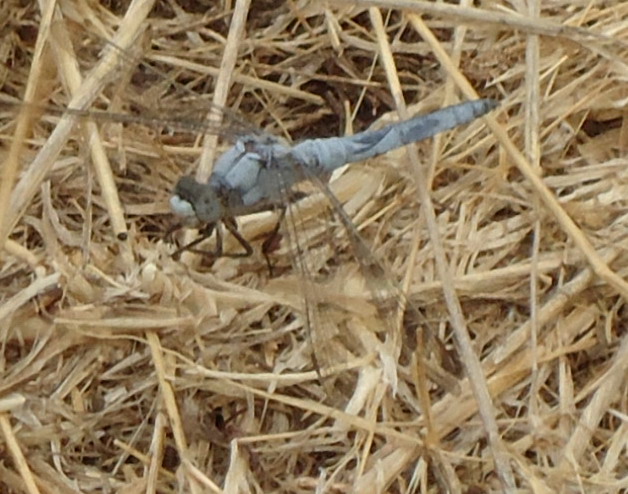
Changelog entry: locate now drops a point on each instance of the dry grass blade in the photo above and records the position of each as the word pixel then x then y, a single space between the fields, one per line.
pixel 125 370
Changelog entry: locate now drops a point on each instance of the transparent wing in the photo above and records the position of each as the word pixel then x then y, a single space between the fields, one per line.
pixel 391 308
pixel 165 119
pixel 143 93
pixel 316 317
pixel 157 98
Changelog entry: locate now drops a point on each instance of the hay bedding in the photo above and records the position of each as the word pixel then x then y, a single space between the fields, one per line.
pixel 124 370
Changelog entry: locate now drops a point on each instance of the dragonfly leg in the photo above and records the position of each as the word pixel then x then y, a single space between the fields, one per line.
pixel 206 232
pixel 271 243
pixel 232 226
pixel 203 234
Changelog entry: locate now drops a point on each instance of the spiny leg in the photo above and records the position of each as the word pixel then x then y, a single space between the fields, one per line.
pixel 271 243
pixel 232 226
pixel 206 232
pixel 203 234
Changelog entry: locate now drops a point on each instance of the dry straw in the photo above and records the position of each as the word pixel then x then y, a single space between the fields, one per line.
pixel 125 370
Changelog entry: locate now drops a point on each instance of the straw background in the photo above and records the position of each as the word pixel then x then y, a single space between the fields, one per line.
pixel 125 370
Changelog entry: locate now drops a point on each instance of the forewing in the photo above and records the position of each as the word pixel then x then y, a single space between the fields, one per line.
pixel 142 93
pixel 319 308
pixel 393 308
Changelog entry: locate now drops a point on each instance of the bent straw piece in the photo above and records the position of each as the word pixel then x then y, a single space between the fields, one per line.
pixel 9 306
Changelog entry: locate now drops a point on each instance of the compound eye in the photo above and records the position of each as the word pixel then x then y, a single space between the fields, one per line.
pixel 182 207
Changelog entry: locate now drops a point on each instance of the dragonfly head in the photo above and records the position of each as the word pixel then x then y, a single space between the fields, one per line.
pixel 194 202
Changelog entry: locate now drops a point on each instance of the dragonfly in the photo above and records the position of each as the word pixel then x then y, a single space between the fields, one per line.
pixel 258 173
pixel 254 174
